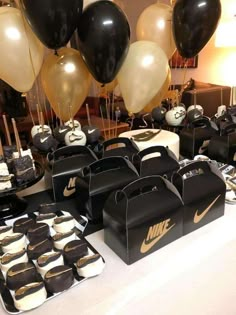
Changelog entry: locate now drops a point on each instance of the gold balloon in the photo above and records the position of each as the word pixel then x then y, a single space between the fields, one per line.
pixel 66 82
pixel 156 101
pixel 21 53
pixel 155 24
pixel 142 74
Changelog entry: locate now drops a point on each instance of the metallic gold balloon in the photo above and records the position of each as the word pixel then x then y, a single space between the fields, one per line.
pixel 155 24
pixel 21 53
pixel 65 81
pixel 142 74
pixel 156 101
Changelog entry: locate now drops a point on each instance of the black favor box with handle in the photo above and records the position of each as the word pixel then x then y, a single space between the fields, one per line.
pixel 67 162
pixel 203 189
pixel 156 160
pixel 142 217
pixel 120 146
pixel 223 147
pixel 98 180
pixel 195 138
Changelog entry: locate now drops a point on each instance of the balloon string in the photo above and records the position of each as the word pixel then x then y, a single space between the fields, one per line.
pixel 30 55
pixel 184 76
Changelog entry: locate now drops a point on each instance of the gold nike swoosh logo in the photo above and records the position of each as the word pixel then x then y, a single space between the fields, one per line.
pixel 199 217
pixel 146 247
pixel 68 192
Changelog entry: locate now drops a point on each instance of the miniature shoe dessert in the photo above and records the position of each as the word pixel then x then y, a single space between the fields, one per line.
pixel 61 239
pixel 22 225
pixel 90 266
pixel 74 250
pixel 49 260
pixel 10 259
pixel 20 275
pixel 5 230
pixel 30 296
pixel 64 223
pixel 38 232
pixel 36 249
pixel 13 243
pixel 59 279
pixel 47 218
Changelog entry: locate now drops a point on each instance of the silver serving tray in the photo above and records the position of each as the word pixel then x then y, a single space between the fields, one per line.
pixel 6 295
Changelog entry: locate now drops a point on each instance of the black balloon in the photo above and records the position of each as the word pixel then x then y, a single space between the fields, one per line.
pixel 104 36
pixel 194 22
pixel 53 21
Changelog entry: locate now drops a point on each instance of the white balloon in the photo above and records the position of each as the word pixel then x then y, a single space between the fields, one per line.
pixel 142 74
pixel 155 24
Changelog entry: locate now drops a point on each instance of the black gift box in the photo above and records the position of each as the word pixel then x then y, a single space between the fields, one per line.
pixel 156 160
pixel 144 216
pixel 67 162
pixel 99 179
pixel 195 138
pixel 203 189
pixel 223 147
pixel 119 147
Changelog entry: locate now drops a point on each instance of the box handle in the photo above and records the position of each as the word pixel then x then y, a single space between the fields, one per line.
pixel 154 149
pixel 194 166
pixel 201 122
pixel 230 128
pixel 119 140
pixel 73 150
pixel 108 163
pixel 141 186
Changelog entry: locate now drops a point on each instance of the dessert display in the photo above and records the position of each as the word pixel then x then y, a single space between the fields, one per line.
pixel 30 296
pixel 90 266
pixel 59 278
pixel 39 254
pixel 23 163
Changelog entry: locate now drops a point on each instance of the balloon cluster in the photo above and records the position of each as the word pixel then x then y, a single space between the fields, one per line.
pixel 103 35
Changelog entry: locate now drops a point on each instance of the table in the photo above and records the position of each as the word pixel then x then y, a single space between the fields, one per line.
pixel 193 275
pixel 164 138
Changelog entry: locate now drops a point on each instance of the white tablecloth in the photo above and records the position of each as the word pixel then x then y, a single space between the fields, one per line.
pixel 194 275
